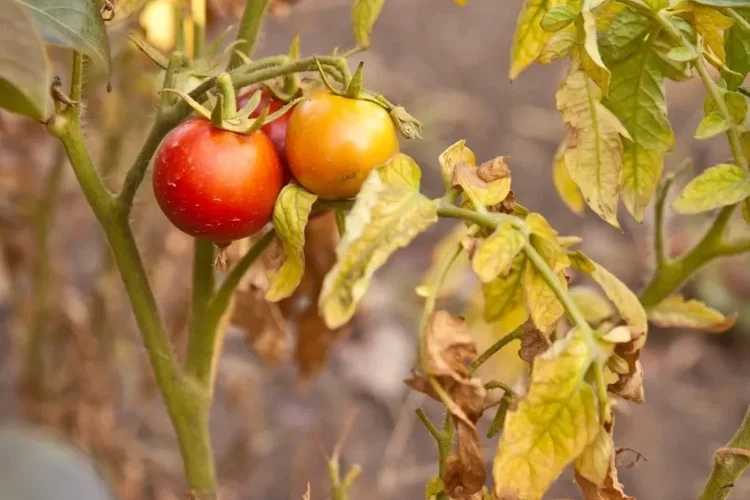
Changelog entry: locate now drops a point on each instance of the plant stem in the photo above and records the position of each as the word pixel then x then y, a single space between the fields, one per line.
pixel 728 466
pixel 203 354
pixel 738 19
pixel 202 292
pixel 186 404
pixel 45 211
pixel 434 432
pixel 252 18
pixel 198 9
pixel 514 335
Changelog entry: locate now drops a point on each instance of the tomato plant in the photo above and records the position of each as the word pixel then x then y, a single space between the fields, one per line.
pixel 220 177
pixel 215 184
pixel 334 142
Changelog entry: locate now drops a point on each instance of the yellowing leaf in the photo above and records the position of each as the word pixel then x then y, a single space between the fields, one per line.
pixel 487 184
pixel 594 307
pixel 290 216
pixel 558 18
pixel 712 125
pixel 401 171
pixel 455 154
pixel 546 241
pixel 711 23
pixel 593 462
pixel 551 426
pixel 566 188
pixel 558 46
pixel 637 98
pixel 718 186
pixel 504 298
pixel 594 151
pixel 676 312
pixel 530 38
pixel 494 256
pixel 623 34
pixel 543 305
pixel 364 15
pixel 591 58
pixel 623 298
pixel 384 218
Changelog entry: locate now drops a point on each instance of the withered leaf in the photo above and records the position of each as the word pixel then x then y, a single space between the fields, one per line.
pixel 610 488
pixel 314 342
pixel 533 343
pixel 488 183
pixel 630 382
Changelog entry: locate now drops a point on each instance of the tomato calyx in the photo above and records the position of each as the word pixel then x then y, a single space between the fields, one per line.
pixel 225 115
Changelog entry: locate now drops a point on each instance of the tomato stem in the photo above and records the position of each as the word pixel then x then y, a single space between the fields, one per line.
pixel 252 19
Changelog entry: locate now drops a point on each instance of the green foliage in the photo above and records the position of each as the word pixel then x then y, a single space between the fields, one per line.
pixel 73 24
pixel 718 186
pixel 364 15
pixel 25 75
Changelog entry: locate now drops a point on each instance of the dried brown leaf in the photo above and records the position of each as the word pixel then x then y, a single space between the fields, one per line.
pixel 493 169
pixel 314 341
pixel 630 383
pixel 533 343
pixel 507 206
pixel 611 489
pixel 488 183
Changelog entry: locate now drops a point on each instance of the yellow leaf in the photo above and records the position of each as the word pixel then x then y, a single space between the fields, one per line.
pixel 711 23
pixel 676 312
pixel 504 298
pixel 566 188
pixel 543 305
pixel 594 150
pixel 384 218
pixel 623 298
pixel 546 241
pixel 591 60
pixel 290 216
pixel 718 186
pixel 455 154
pixel 401 171
pixel 594 307
pixel 607 13
pixel 530 38
pixel 462 3
pixel 494 256
pixel 593 462
pixel 487 184
pixel 558 46
pixel 552 425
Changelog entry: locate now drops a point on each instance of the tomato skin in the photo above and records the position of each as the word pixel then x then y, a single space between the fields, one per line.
pixel 275 130
pixel 334 142
pixel 214 184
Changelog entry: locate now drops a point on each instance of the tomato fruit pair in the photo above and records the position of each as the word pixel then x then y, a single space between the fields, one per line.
pixel 214 184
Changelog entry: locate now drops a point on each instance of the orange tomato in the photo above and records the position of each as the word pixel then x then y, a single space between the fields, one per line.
pixel 334 142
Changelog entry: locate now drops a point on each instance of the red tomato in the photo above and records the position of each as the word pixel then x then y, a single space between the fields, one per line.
pixel 275 130
pixel 214 184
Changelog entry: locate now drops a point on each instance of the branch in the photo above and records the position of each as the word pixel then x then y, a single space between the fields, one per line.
pixel 730 462
pixel 252 18
pixel 514 335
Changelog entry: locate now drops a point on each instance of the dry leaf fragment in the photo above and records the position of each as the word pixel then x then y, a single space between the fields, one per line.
pixel 533 343
pixel 493 169
pixel 489 183
pixel 630 383
pixel 314 341
pixel 611 488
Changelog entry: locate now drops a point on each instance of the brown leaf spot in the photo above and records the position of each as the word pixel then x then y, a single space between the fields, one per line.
pixel 507 206
pixel 493 169
pixel 533 343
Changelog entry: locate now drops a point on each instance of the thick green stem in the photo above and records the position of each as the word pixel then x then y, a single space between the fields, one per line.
pixel 198 9
pixel 740 21
pixel 45 210
pixel 186 403
pixel 205 338
pixel 252 19
pixel 730 462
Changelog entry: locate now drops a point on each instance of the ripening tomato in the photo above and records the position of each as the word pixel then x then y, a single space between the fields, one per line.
pixel 333 142
pixel 214 184
pixel 275 130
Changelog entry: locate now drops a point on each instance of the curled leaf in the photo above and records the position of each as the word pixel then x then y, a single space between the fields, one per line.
pixel 676 312
pixel 290 214
pixel 630 372
pixel 596 473
pixel 530 38
pixel 488 184
pixel 455 154
pixel 624 299
pixel 533 343
pixel 314 341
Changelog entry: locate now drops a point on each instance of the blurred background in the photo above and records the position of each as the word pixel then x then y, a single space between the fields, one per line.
pixel 73 366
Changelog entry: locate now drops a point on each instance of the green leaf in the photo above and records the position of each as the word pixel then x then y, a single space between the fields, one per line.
pixel 594 152
pixel 543 305
pixel 737 47
pixel 558 18
pixel 72 24
pixel 735 102
pixel 591 59
pixel 712 125
pixel 637 98
pixel 433 488
pixel 718 186
pixel 560 45
pixel 364 15
pixel 676 312
pixel 455 154
pixel 566 188
pixel 494 256
pixel 682 54
pixel 530 38
pixel 384 218
pixel 503 297
pixel 552 425
pixel 290 215
pixel 623 35
pixel 623 298
pixel 25 75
